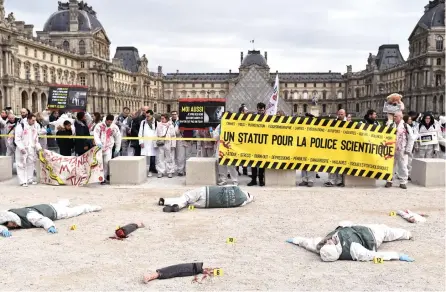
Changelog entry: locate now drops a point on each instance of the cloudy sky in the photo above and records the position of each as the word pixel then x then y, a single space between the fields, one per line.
pixel 208 35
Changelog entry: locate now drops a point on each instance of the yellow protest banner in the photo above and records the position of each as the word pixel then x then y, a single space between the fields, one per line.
pixel 312 144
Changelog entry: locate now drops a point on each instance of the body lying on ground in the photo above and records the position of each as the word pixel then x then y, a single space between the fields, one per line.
pixel 181 270
pixel 208 197
pixel 357 242
pixel 41 216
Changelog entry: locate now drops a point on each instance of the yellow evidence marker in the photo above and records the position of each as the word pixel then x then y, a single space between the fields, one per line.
pixel 218 272
pixel 191 207
pixel 230 240
pixel 378 260
pixel 73 227
pixel 392 214
pixel 118 227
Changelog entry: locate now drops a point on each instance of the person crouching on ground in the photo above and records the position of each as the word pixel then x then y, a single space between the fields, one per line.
pixel 208 197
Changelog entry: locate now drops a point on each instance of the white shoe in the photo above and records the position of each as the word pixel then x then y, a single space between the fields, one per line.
pixel 222 183
pixel 32 183
pixel 149 175
pixel 235 183
pixel 24 185
pixel 160 175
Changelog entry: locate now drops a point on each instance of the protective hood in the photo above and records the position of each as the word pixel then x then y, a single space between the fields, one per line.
pixel 423 121
pixel 6 216
pixel 329 253
pixel 249 198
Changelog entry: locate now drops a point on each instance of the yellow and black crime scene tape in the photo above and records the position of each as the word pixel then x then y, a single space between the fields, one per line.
pixel 309 121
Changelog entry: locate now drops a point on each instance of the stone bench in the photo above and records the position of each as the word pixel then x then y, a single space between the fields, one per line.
pixel 358 181
pixel 5 168
pixel 428 172
pixel 128 170
pixel 280 177
pixel 201 171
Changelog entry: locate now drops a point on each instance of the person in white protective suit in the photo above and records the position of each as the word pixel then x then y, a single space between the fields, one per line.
pixel 27 144
pixel 357 242
pixel 405 139
pixel 224 169
pixel 336 179
pixel 41 216
pixel 107 135
pixel 165 160
pixel 208 197
pixel 428 126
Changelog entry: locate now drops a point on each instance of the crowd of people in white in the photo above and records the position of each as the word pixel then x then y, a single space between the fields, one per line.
pixel 168 157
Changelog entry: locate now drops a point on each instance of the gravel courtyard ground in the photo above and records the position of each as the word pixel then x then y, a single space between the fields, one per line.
pixel 85 259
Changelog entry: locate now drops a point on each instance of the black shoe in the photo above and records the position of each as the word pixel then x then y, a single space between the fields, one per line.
pixel 252 183
pixel 303 184
pixel 103 183
pixel 161 202
pixel 388 184
pixel 409 179
pixel 169 209
pixel 317 175
pixel 262 183
pixel 180 174
pixel 403 186
pixel 229 176
pixel 340 185
pixel 328 184
pixel 245 172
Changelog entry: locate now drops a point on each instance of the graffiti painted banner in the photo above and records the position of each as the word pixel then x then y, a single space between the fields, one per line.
pixel 311 144
pixel 57 170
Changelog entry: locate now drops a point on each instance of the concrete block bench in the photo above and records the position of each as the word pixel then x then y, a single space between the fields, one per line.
pixel 280 177
pixel 128 170
pixel 358 181
pixel 201 171
pixel 428 172
pixel 5 168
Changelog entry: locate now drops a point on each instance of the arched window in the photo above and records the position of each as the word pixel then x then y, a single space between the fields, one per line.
pixel 82 65
pixel 66 45
pixel 324 108
pixel 435 104
pixel 357 107
pixel 155 108
pixel 439 43
pixel 295 108
pixel 305 108
pixel 286 94
pixel 82 47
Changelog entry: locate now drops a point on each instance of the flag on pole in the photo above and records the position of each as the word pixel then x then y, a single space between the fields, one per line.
pixel 271 108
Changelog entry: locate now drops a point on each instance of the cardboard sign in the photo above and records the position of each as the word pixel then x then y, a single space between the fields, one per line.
pixel 73 98
pixel 391 108
pixel 200 113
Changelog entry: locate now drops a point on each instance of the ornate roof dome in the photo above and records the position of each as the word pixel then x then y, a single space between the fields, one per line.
pixel 433 14
pixel 60 20
pixel 254 58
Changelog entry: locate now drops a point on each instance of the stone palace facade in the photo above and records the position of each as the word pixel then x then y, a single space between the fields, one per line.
pixel 73 48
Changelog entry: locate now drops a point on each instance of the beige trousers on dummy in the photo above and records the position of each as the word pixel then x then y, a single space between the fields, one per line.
pixel 63 210
pixel 195 197
pixel 26 164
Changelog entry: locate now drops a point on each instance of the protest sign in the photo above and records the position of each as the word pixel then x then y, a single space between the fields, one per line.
pixel 67 97
pixel 312 144
pixel 200 113
pixel 56 169
pixel 428 139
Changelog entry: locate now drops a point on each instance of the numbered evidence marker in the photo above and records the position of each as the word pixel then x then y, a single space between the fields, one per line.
pixel 230 240
pixel 218 272
pixel 191 207
pixel 118 227
pixel 378 260
pixel 392 214
pixel 73 227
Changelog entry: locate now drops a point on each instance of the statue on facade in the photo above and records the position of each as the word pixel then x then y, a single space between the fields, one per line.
pixel 314 100
pixel 2 10
pixel 10 19
pixel 143 62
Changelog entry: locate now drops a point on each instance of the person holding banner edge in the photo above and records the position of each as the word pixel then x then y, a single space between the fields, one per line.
pixel 257 171
pixel 107 135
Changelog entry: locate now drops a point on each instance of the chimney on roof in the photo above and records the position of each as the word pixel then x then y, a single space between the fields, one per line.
pixel 241 58
pixel 178 71
pixel 29 29
pixel 329 71
pixel 277 71
pixel 230 71
pixel 73 12
pixel 160 69
pixel 266 56
pixel 349 69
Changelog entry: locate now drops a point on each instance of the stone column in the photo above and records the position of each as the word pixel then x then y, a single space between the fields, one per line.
pixel 7 63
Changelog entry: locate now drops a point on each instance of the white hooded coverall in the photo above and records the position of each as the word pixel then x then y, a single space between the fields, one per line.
pixel 27 141
pixel 381 232
pixel 165 160
pixel 427 151
pixel 107 136
pixel 63 211
pixel 405 139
